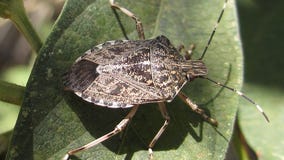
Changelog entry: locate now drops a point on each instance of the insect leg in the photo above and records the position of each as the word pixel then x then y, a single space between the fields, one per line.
pixel 139 26
pixel 196 109
pixel 180 48
pixel 120 24
pixel 187 53
pixel 120 127
pixel 164 113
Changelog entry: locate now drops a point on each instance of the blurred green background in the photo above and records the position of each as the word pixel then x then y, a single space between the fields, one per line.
pixel 17 57
pixel 261 29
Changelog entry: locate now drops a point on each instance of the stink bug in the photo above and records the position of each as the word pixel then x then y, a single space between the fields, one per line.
pixel 128 73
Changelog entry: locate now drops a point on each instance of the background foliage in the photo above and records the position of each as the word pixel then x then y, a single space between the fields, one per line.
pixel 262 33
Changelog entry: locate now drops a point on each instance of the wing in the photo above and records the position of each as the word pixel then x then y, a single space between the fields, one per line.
pixel 112 52
pixel 110 90
pixel 115 92
pixel 80 76
pixel 116 74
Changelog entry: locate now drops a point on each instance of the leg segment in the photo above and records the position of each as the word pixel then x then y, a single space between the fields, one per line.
pixel 196 109
pixel 164 113
pixel 120 127
pixel 139 26
pixel 187 53
pixel 180 48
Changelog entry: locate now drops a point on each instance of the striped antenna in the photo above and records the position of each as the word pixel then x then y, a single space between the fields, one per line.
pixel 242 95
pixel 214 30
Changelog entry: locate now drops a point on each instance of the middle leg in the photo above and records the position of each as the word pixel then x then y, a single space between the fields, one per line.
pixel 165 114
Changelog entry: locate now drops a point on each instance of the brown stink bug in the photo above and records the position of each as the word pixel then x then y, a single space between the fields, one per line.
pixel 127 73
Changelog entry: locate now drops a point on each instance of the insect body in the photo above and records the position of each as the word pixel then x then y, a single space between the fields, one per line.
pixel 119 74
pixel 127 73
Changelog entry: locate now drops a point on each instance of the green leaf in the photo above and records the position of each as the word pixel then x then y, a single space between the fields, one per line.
pixel 263 47
pixel 53 121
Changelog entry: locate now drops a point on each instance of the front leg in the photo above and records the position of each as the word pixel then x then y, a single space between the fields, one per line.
pixel 196 109
pixel 187 53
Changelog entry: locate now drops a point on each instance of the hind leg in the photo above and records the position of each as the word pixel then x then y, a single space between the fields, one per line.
pixel 120 127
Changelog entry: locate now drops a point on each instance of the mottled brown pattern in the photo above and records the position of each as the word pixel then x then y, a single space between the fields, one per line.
pixel 124 73
pixel 80 76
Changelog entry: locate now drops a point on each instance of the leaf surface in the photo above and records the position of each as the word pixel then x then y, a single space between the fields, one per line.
pixel 53 121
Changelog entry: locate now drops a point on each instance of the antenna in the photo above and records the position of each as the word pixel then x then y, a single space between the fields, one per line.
pixel 214 30
pixel 242 95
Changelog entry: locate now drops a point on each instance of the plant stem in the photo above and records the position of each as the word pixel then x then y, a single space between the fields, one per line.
pixel 11 93
pixel 14 10
pixel 23 24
